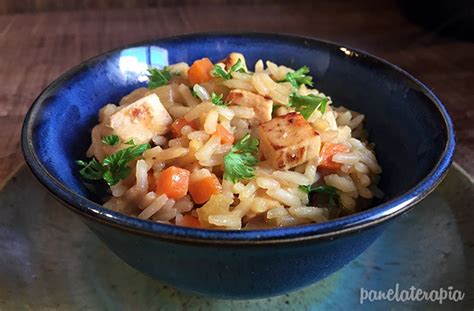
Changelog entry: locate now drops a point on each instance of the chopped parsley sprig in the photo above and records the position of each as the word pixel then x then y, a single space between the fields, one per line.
pixel 331 192
pixel 114 167
pixel 299 77
pixel 111 140
pixel 220 72
pixel 240 161
pixel 158 77
pixel 217 99
pixel 306 105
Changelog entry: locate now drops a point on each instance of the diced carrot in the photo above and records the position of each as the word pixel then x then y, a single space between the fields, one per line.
pixel 173 182
pixel 200 71
pixel 151 181
pixel 225 135
pixel 327 165
pixel 190 221
pixel 202 190
pixel 178 124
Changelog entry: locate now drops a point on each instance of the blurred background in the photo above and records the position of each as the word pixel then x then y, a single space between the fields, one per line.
pixel 455 17
pixel 41 39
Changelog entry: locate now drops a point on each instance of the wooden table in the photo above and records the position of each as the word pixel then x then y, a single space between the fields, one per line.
pixel 37 48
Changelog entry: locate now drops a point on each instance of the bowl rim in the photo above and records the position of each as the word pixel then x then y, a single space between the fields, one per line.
pixel 326 230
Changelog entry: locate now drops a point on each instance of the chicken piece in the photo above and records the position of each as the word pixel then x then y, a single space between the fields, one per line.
pixel 288 141
pixel 141 120
pixel 261 105
pixel 232 59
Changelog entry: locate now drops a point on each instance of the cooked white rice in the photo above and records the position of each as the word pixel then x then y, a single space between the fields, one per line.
pixel 274 196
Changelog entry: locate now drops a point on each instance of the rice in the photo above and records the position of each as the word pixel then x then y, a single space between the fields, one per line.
pixel 180 69
pixel 185 92
pixel 259 66
pixel 159 140
pixel 343 183
pixel 226 112
pixel 346 158
pixel 198 175
pixel 284 196
pixel 267 183
pixel 347 201
pixel 248 191
pixel 208 149
pixel 292 177
pixel 198 135
pixel 355 122
pixel 154 207
pixel 159 154
pixel 178 142
pixel 243 112
pixel 309 212
pixel 178 111
pixel 195 112
pixel 239 84
pixel 184 204
pixel 229 221
pixel 273 196
pixel 210 123
pixel 166 212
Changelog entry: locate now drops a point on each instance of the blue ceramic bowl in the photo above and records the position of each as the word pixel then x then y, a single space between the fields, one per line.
pixel 411 128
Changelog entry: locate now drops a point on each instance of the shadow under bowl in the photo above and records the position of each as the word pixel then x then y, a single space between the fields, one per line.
pixel 410 127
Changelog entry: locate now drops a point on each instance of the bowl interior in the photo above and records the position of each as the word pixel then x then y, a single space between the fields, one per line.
pixel 406 126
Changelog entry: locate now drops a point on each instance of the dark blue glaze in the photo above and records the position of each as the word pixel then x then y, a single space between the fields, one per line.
pixel 414 140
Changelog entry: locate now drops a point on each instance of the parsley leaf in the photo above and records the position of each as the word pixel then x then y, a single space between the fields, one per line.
pixel 306 105
pixel 158 77
pixel 111 140
pixel 217 99
pixel 117 163
pixel 130 142
pixel 240 160
pixel 115 166
pixel 91 170
pixel 305 188
pixel 298 77
pixel 237 67
pixel 328 190
pixel 220 72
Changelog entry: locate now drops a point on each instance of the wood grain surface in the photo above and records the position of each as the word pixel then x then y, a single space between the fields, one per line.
pixel 35 48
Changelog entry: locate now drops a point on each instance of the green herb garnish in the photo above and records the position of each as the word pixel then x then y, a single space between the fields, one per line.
pixel 158 77
pixel 306 105
pixel 298 77
pixel 240 161
pixel 111 140
pixel 237 67
pixel 91 170
pixel 115 166
pixel 117 163
pixel 217 99
pixel 130 142
pixel 328 190
pixel 220 72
